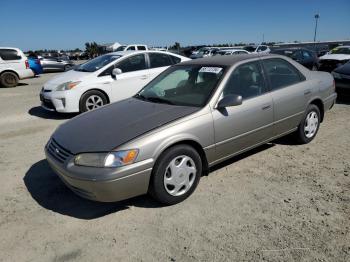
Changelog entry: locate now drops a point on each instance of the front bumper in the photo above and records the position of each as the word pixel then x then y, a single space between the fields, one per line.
pixel 103 184
pixel 60 101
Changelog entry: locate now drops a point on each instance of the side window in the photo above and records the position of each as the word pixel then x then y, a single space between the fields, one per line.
pixel 175 59
pixel 262 48
pixel 9 54
pixel 159 60
pixel 281 73
pixel 141 47
pixel 297 55
pixel 133 63
pixel 306 55
pixel 131 48
pixel 246 80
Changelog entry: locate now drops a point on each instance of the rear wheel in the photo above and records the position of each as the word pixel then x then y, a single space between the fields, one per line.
pixel 8 79
pixel 176 174
pixel 92 100
pixel 67 67
pixel 309 125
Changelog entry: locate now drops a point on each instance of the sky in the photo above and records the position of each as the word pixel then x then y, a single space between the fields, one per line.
pixel 62 24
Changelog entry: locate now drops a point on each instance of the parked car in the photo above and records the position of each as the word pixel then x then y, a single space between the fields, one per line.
pixel 257 49
pixel 13 66
pixel 192 116
pixel 336 57
pixel 132 48
pixel 231 52
pixel 56 64
pixel 204 52
pixel 35 65
pixel 342 78
pixel 105 79
pixel 303 56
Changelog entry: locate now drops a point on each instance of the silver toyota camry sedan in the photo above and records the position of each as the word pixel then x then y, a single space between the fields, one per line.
pixel 189 118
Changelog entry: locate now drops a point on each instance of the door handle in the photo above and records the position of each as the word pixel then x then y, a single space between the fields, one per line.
pixel 144 77
pixel 307 92
pixel 265 107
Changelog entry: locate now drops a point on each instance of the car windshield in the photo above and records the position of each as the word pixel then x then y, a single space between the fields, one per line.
pixel 97 63
pixel 249 48
pixel 340 50
pixel 190 85
pixel 203 50
pixel 121 48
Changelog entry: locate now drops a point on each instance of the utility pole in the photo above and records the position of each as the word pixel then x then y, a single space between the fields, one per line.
pixel 317 16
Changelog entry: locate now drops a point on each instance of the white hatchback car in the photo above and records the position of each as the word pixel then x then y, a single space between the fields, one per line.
pixel 13 66
pixel 104 79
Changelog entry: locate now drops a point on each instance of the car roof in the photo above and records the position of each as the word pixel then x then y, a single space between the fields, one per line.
pixel 123 53
pixel 225 60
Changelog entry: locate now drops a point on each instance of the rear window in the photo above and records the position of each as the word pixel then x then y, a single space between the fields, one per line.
pixel 9 54
pixel 159 60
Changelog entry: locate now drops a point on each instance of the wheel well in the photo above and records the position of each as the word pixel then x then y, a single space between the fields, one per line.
pixel 99 90
pixel 11 71
pixel 199 149
pixel 319 104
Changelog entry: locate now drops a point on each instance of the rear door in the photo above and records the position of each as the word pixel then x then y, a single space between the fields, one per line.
pixel 133 78
pixel 158 62
pixel 241 127
pixel 289 92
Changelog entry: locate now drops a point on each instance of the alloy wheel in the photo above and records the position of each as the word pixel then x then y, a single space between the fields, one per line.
pixel 93 102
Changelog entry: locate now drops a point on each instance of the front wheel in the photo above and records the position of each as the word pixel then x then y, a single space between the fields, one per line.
pixel 92 100
pixel 309 125
pixel 176 174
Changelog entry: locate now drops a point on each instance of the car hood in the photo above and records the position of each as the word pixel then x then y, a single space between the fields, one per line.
pixel 345 69
pixel 339 57
pixel 104 129
pixel 65 77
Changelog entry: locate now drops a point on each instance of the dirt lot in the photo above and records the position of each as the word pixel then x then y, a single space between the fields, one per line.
pixel 281 202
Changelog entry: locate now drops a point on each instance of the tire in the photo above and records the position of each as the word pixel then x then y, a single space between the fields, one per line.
pixel 8 79
pixel 309 125
pixel 168 187
pixel 95 98
pixel 67 67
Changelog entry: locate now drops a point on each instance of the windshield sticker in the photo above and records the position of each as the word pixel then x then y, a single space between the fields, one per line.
pixel 215 70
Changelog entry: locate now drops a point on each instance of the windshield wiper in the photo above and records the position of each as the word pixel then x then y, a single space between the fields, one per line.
pixel 156 99
pixel 153 99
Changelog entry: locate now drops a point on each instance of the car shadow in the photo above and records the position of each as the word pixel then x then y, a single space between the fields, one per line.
pixel 50 192
pixel 38 111
pixel 343 98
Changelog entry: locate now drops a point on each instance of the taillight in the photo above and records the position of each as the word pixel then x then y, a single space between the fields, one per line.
pixel 27 64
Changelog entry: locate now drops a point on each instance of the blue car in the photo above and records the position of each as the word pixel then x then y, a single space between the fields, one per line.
pixel 35 65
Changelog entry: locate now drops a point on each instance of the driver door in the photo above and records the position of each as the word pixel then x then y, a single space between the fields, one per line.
pixel 240 127
pixel 134 76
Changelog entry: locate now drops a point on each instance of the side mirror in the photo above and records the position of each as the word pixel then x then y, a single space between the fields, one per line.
pixel 230 100
pixel 115 72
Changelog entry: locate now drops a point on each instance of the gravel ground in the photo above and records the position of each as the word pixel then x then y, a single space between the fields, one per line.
pixel 280 202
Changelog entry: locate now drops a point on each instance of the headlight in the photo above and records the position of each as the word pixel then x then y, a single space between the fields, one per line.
pixel 111 159
pixel 67 86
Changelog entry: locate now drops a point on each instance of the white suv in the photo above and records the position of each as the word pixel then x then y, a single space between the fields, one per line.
pixel 104 79
pixel 13 66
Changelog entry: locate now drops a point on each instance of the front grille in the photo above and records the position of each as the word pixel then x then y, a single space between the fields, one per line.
pixel 58 152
